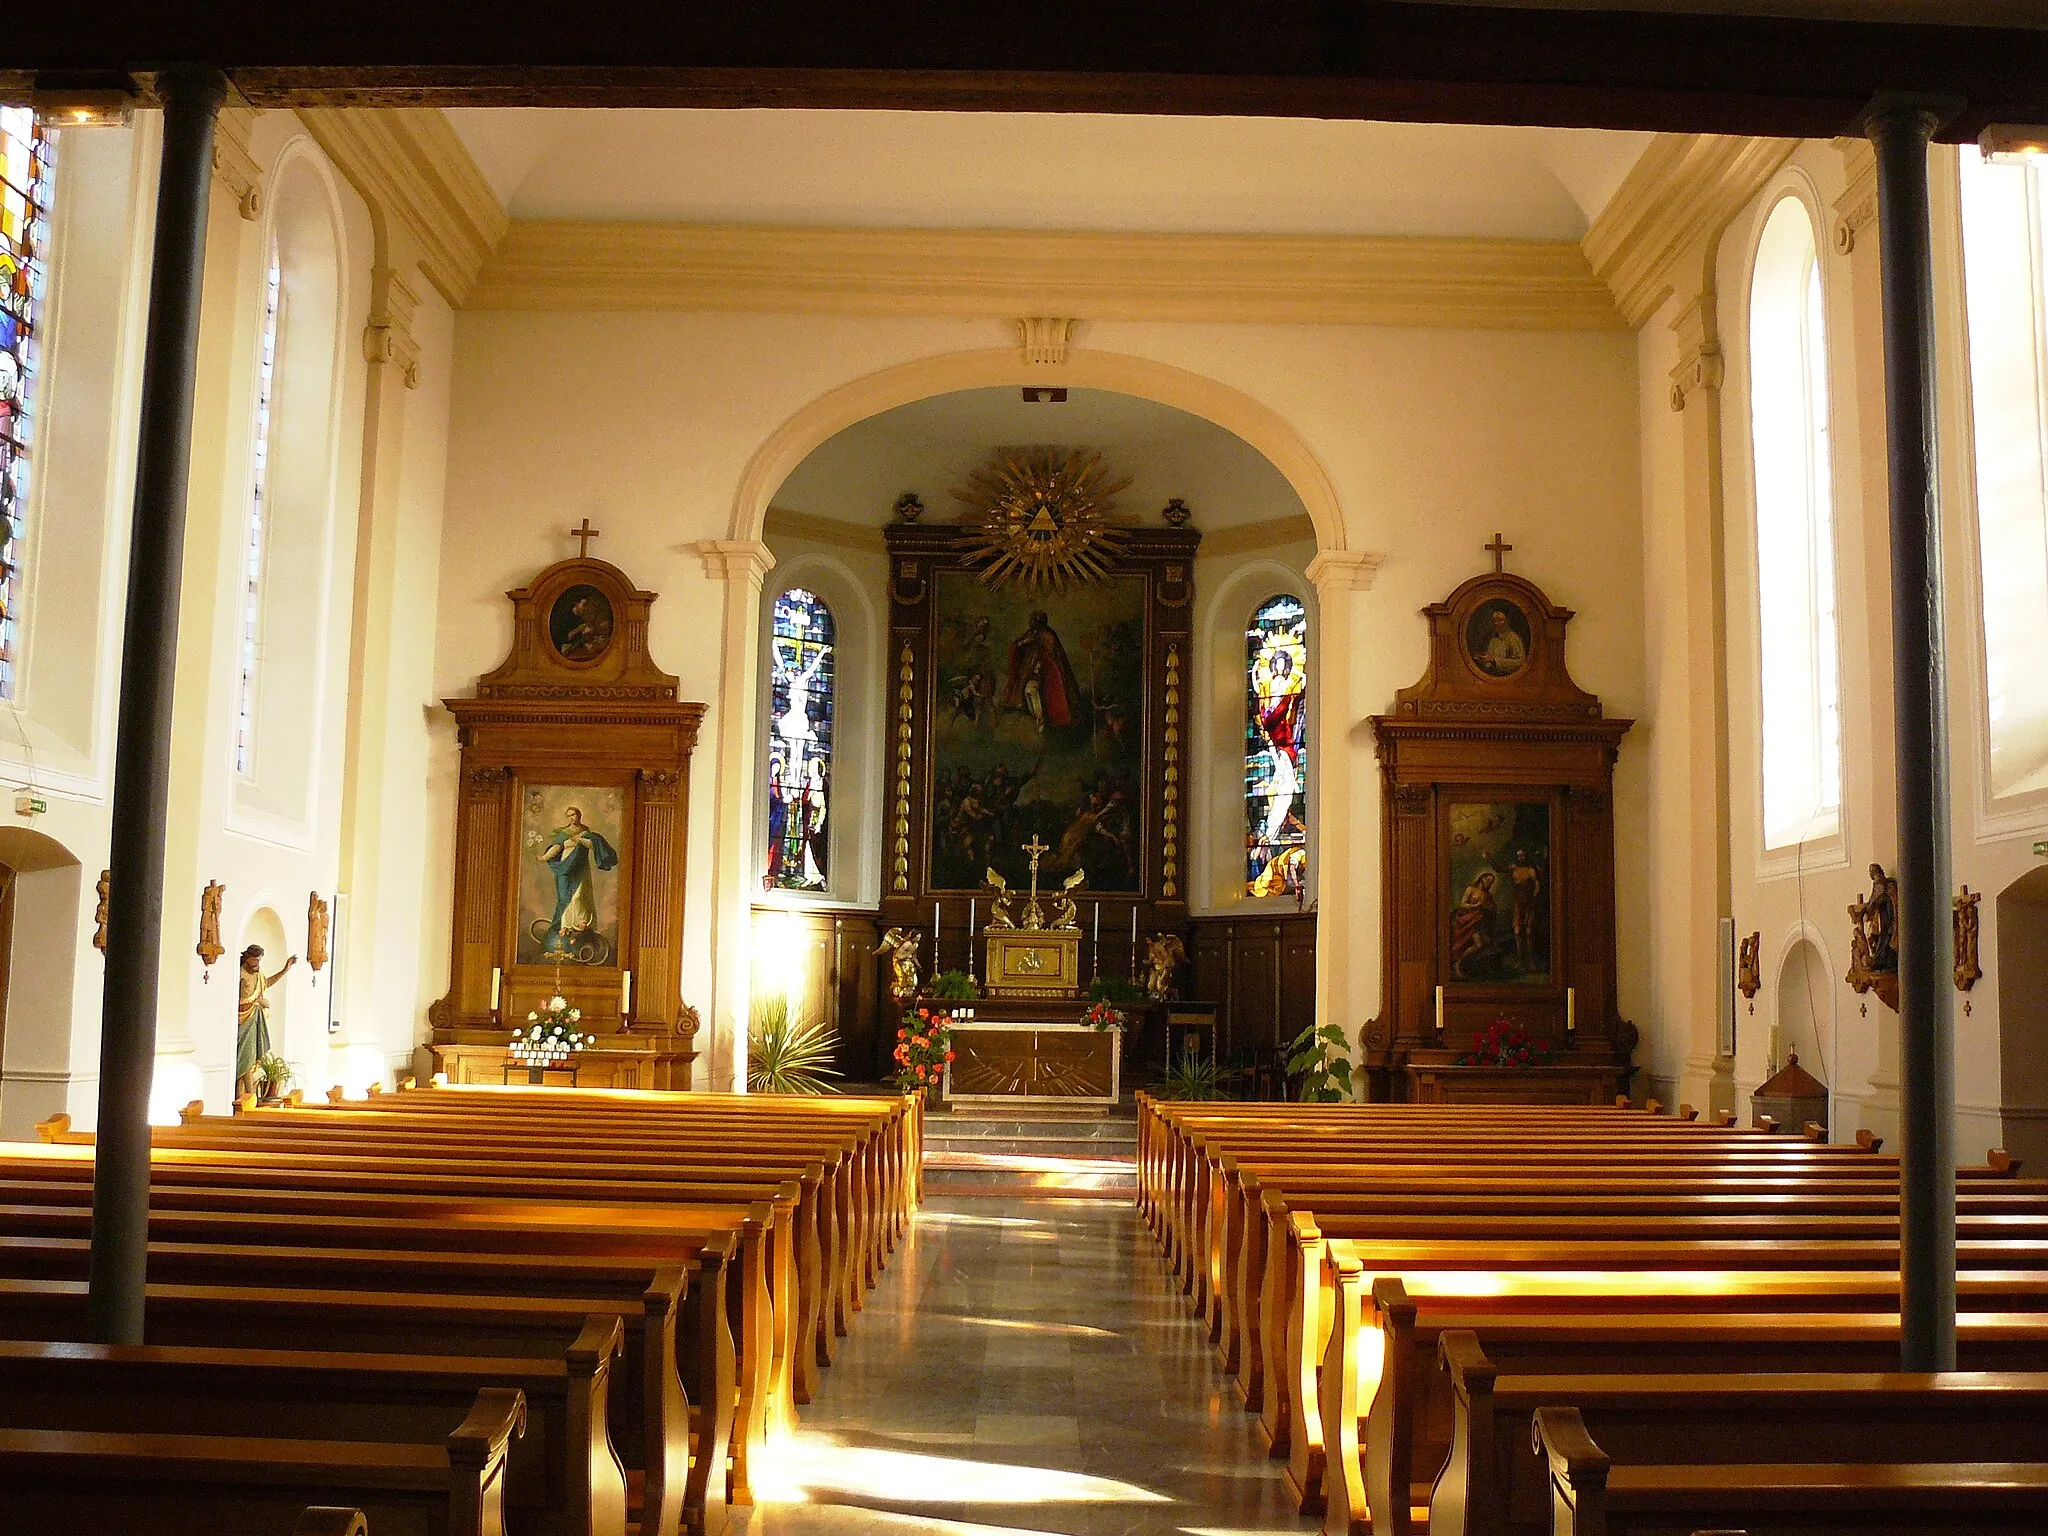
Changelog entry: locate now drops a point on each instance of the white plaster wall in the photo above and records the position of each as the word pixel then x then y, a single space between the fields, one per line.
pixel 1434 440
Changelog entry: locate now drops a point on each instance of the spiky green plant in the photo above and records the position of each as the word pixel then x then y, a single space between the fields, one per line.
pixel 1195 1078
pixel 788 1054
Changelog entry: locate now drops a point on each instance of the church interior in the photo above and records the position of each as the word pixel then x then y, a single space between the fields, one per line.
pixel 1215 798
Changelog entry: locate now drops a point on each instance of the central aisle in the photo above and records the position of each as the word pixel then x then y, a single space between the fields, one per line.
pixel 1024 1367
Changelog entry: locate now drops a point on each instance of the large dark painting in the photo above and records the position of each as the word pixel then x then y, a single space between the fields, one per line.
pixel 1038 732
pixel 1499 891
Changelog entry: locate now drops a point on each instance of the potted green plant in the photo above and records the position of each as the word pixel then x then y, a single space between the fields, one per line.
pixel 1321 1059
pixel 274 1077
pixel 787 1053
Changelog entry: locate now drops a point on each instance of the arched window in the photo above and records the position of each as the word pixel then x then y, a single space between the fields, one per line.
pixel 2005 266
pixel 1795 534
pixel 801 646
pixel 26 166
pixel 254 538
pixel 1276 748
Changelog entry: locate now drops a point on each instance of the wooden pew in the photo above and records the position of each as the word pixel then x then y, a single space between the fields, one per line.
pixel 651 1419
pixel 562 1477
pixel 204 1485
pixel 331 1520
pixel 1494 1483
pixel 1591 1496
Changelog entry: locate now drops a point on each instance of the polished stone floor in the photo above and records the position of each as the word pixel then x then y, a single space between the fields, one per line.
pixel 1024 1367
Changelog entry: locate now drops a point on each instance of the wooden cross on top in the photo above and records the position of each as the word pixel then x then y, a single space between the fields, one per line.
pixel 585 533
pixel 1498 549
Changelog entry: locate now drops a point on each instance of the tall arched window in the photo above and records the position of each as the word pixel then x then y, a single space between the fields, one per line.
pixel 254 538
pixel 1795 534
pixel 1276 748
pixel 26 166
pixel 801 646
pixel 2005 265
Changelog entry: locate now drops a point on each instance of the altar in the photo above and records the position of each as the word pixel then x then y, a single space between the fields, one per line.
pixel 1024 1051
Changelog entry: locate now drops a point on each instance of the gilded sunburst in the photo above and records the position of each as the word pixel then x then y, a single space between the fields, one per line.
pixel 1044 517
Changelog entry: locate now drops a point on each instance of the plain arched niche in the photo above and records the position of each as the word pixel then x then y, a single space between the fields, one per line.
pixel 1805 1011
pixel 41 977
pixel 2022 965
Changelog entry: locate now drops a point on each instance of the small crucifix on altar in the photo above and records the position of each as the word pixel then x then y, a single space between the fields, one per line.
pixel 1033 917
pixel 583 535
pixel 1498 549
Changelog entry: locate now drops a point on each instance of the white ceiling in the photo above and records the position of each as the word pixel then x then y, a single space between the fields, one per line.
pixel 931 446
pixel 1046 171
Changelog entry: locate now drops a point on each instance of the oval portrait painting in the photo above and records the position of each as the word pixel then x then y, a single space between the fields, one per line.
pixel 1497 638
pixel 580 624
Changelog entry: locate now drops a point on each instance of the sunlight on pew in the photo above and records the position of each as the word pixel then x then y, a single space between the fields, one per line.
pixel 819 1468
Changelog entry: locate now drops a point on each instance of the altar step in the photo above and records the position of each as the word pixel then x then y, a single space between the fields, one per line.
pixel 1043 1150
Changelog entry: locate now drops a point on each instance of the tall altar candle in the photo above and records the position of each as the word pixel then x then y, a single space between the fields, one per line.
pixel 497 983
pixel 625 994
pixel 935 937
pixel 970 937
pixel 1439 1010
pixel 1134 941
pixel 1571 1010
pixel 1098 938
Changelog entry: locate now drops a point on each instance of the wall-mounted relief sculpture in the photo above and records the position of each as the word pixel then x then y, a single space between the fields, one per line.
pixel 1968 971
pixel 105 887
pixel 316 931
pixel 1749 973
pixel 209 946
pixel 1874 940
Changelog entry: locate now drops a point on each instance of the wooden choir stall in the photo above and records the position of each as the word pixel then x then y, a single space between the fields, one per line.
pixel 1497 820
pixel 569 856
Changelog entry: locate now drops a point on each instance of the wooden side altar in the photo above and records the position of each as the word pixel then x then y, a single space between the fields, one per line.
pixel 569 846
pixel 1497 820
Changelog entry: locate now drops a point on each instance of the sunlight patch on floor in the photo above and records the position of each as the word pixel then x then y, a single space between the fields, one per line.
pixel 808 1467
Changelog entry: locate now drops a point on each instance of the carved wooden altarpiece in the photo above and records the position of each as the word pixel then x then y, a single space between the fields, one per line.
pixel 569 846
pixel 1497 821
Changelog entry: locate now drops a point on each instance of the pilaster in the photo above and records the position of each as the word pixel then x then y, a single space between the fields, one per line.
pixel 741 566
pixel 1344 813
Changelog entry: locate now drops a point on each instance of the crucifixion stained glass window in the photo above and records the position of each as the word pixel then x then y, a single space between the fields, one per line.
pixel 1276 748
pixel 26 166
pixel 255 534
pixel 799 743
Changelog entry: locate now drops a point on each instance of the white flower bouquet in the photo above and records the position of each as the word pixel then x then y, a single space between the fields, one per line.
pixel 551 1036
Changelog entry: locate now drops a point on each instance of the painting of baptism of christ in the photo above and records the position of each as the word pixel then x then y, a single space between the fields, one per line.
pixel 569 874
pixel 1499 891
pixel 1039 731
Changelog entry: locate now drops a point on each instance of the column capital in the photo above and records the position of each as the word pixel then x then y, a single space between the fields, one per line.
pixel 1345 570
pixel 734 560
pixel 388 337
pixel 1701 364
pixel 1856 208
pixel 233 166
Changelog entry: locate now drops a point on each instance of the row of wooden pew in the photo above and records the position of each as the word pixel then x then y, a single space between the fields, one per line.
pixel 460 1310
pixel 1496 1319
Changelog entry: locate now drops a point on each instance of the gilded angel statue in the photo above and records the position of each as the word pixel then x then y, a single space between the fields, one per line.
pixel 1000 897
pixel 1066 912
pixel 1164 953
pixel 901 945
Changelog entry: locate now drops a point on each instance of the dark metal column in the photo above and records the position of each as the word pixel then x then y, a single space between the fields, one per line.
pixel 191 98
pixel 1900 130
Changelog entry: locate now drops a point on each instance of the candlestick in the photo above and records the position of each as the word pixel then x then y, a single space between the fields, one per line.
pixel 625 994
pixel 497 983
pixel 970 938
pixel 1439 1010
pixel 1134 943
pixel 1571 1009
pixel 1098 939
pixel 935 937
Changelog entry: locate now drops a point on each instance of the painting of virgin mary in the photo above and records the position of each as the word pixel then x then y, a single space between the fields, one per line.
pixel 569 904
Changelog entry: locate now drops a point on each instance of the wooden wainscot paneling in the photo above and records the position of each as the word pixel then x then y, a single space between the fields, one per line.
pixel 1497 817
pixel 1260 971
pixel 571 838
pixel 825 958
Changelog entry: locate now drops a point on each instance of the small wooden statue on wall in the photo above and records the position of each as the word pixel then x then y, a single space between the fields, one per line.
pixel 105 888
pixel 1874 940
pixel 316 931
pixel 209 946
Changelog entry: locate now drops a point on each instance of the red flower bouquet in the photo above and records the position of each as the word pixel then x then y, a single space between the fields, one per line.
pixel 924 1044
pixel 1104 1016
pixel 1500 1044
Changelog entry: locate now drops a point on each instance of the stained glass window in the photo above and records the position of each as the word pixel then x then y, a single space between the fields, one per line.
pixel 258 529
pixel 799 743
pixel 26 165
pixel 1276 749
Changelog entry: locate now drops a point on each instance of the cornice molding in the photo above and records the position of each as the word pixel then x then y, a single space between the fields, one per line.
pixel 1674 204
pixel 388 336
pixel 410 167
pixel 1263 279
pixel 813 529
pixel 1856 208
pixel 1250 538
pixel 233 166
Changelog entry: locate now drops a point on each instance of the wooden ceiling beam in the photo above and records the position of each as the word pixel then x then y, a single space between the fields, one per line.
pixel 1431 62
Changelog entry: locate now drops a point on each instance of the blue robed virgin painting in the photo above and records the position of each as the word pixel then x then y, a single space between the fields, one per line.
pixel 569 874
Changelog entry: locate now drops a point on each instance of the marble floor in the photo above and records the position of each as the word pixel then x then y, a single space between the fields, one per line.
pixel 1025 1368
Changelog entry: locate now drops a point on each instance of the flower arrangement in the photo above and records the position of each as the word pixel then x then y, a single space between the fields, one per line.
pixel 1104 1016
pixel 551 1035
pixel 1500 1044
pixel 924 1044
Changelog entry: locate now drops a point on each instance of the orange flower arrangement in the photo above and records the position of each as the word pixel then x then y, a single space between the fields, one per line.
pixel 924 1044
